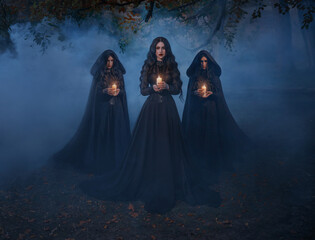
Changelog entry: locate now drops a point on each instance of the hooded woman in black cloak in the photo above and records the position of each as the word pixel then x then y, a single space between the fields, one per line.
pixel 156 168
pixel 104 133
pixel 214 139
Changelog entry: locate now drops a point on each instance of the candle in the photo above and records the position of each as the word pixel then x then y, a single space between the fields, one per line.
pixel 158 80
pixel 204 89
pixel 114 87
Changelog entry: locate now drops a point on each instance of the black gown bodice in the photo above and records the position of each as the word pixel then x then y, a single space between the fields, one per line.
pixel 146 85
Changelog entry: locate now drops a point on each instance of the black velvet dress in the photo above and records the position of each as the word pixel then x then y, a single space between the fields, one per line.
pixel 214 139
pixel 104 133
pixel 156 167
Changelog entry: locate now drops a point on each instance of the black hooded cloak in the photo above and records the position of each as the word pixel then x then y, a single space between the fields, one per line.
pixel 103 135
pixel 214 139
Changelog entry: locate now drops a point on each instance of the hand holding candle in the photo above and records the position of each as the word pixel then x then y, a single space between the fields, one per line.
pixel 113 91
pixel 159 83
pixel 202 91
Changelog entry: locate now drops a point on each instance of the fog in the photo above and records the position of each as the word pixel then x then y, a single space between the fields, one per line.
pixel 43 96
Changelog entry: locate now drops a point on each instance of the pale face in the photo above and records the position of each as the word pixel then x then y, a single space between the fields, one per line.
pixel 160 51
pixel 204 62
pixel 110 62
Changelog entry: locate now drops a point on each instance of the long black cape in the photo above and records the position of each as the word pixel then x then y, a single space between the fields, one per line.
pixel 210 124
pixel 104 132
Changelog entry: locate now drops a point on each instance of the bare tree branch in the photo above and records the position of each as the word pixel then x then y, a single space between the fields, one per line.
pixel 113 4
pixel 185 5
pixel 150 12
pixel 202 11
pixel 217 27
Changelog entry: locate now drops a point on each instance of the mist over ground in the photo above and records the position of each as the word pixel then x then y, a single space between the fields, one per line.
pixel 43 96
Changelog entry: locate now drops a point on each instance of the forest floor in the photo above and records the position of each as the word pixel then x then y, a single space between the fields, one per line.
pixel 49 205
pixel 269 197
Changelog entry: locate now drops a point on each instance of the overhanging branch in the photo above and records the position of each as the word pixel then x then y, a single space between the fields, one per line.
pixel 150 12
pixel 113 4
pixel 185 5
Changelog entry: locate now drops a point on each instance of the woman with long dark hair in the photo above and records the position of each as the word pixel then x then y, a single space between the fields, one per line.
pixel 214 139
pixel 156 168
pixel 104 133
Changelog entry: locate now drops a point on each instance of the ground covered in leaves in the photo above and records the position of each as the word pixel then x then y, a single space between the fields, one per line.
pixel 256 205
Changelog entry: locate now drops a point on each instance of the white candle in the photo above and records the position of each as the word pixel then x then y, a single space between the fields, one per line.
pixel 204 89
pixel 158 80
pixel 114 87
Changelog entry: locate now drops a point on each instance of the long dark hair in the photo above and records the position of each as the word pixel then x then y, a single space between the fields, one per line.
pixel 169 61
pixel 98 69
pixel 209 72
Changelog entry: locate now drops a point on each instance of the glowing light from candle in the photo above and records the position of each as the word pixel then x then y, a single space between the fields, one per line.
pixel 114 87
pixel 204 89
pixel 158 80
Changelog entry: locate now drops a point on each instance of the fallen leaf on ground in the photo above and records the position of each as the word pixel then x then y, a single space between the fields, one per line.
pixel 131 207
pixel 134 214
pixel 84 222
pixel 52 231
pixel 226 222
pixel 29 188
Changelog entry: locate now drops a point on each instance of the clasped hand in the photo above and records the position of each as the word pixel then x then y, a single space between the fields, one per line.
pixel 201 93
pixel 160 86
pixel 111 91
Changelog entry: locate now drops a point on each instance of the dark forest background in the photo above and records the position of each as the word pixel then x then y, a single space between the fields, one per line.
pixel 49 49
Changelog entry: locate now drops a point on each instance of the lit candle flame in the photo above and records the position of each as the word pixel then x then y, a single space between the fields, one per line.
pixel 158 80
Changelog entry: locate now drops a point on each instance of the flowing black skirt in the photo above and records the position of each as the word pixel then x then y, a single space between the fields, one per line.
pixel 156 167
pixel 203 137
pixel 101 140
